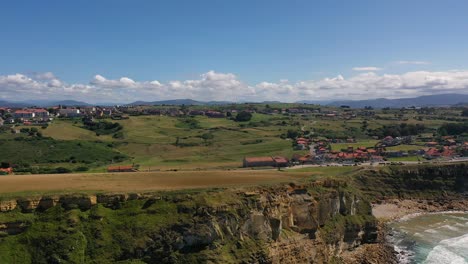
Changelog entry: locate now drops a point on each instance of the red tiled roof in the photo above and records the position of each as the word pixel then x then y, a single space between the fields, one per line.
pixel 125 167
pixel 22 112
pixel 7 170
pixel 433 152
pixel 259 159
pixel 280 159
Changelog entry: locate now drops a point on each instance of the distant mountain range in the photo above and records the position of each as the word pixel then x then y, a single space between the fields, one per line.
pixel 42 103
pixel 427 100
pixel 181 102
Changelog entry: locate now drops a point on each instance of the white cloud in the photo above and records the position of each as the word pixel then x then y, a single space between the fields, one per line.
pixel 413 62
pixel 228 87
pixel 369 69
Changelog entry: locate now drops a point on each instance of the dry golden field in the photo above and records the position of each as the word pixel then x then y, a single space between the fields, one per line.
pixel 141 181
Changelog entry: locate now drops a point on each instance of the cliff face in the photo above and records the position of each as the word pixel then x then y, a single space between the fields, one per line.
pixel 290 224
pixel 424 181
pixel 319 222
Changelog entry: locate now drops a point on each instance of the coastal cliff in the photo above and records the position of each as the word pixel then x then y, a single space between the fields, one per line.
pixel 312 223
pixel 328 220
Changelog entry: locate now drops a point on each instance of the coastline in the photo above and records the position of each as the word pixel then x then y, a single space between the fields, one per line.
pixel 392 210
pixel 398 209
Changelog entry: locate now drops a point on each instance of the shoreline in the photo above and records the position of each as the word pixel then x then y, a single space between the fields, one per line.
pixel 394 210
pixel 398 209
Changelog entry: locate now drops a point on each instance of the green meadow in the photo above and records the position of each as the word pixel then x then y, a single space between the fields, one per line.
pixel 185 143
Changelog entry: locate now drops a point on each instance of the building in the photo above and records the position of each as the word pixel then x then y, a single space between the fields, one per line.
pixel 6 171
pixel 123 168
pixel 23 114
pixel 258 162
pixel 265 162
pixel 280 161
pixel 41 114
pixel 214 114
pixel 69 112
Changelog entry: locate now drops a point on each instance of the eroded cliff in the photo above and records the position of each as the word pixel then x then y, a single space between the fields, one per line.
pixel 311 223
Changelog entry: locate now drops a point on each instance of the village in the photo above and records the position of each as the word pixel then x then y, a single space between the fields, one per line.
pixel 310 135
pixel 447 149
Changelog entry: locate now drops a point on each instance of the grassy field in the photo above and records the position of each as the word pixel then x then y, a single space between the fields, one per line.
pixel 409 158
pixel 151 140
pixel 29 185
pixel 68 130
pixel 360 143
pixel 48 151
pixel 172 143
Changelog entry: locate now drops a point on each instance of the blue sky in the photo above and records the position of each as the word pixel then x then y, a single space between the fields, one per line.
pixel 256 41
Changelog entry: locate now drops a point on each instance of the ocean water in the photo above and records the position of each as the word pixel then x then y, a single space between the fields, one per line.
pixel 431 238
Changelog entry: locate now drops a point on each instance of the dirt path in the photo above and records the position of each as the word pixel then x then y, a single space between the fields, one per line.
pixel 141 181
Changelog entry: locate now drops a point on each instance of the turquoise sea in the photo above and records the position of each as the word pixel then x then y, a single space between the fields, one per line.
pixel 431 238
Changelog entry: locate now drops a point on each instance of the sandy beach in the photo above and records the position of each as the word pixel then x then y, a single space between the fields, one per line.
pixel 394 209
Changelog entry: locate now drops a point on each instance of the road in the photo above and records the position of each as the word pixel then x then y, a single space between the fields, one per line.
pixel 366 164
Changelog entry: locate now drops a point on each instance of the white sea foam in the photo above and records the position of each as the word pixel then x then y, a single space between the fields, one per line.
pixel 432 238
pixel 450 251
pixel 450 227
pixel 414 215
pixel 431 231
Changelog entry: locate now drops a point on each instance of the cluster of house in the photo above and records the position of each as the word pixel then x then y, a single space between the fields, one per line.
pixel 177 111
pixel 147 110
pixel 305 143
pixel 447 147
pixel 320 152
pixel 29 116
pixel 208 113
pixel 170 111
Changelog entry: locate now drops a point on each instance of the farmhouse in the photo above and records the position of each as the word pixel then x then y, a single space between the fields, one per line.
pixel 265 162
pixel 123 168
pixel 280 161
pixel 258 162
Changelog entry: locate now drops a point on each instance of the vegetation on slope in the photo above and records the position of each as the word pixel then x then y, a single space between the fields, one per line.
pixel 24 152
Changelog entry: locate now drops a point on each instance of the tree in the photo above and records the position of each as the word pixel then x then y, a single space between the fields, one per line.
pixel 206 137
pixel 465 112
pixel 243 116
pixel 292 134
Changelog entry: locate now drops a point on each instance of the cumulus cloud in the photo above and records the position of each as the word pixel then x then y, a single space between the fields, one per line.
pixel 370 68
pixel 413 62
pixel 228 87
